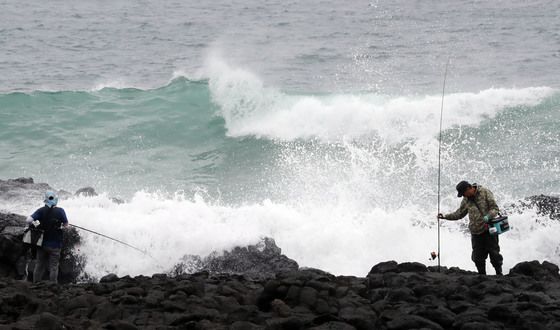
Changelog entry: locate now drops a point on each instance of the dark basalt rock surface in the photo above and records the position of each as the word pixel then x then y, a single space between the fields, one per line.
pixel 22 188
pixel 391 296
pixel 545 205
pixel 26 188
pixel 259 261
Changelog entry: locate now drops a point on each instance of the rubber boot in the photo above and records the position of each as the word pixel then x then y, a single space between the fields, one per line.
pixel 481 268
pixel 498 270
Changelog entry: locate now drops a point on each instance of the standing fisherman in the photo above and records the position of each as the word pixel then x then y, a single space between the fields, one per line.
pixel 50 219
pixel 479 203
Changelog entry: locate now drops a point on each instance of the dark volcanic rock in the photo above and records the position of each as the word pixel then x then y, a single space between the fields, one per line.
pixel 12 250
pixel 545 205
pixel 527 298
pixel 384 267
pixel 262 260
pixel 20 188
pixel 536 269
pixel 86 191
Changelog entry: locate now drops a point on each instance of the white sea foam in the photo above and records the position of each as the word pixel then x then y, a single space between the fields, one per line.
pixel 338 238
pixel 344 206
pixel 119 83
pixel 251 108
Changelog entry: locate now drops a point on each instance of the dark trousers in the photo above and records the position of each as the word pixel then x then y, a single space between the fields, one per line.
pixel 484 245
pixel 46 258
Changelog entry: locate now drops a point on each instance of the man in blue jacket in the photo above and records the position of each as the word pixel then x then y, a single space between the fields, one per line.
pixel 51 220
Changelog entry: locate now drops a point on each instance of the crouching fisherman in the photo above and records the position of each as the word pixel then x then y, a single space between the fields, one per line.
pixel 50 219
pixel 479 203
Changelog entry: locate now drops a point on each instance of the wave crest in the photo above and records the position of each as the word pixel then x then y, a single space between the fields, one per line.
pixel 252 109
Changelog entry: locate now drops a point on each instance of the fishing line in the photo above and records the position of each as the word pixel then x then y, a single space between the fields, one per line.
pixel 113 239
pixel 439 163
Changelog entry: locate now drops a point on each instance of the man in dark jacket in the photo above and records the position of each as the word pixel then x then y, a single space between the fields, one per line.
pixel 479 203
pixel 50 219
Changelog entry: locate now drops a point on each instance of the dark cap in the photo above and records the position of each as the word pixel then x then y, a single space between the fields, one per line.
pixel 462 187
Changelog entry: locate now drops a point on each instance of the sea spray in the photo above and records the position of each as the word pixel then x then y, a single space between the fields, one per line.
pixel 340 181
pixel 339 238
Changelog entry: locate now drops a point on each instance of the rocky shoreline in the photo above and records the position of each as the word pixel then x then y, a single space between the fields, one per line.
pixel 392 296
pixel 257 287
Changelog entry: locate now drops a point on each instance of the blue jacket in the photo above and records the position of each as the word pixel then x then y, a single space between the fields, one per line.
pixel 51 219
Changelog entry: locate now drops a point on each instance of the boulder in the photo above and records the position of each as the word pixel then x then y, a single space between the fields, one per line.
pixel 22 188
pixel 545 205
pixel 86 191
pixel 260 261
pixel 536 269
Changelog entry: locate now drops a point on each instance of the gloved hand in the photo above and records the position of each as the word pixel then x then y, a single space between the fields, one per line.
pixel 440 216
pixel 36 223
pixel 488 217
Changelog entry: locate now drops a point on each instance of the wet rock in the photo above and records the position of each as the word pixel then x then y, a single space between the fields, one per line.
pixel 260 261
pixel 120 325
pixel 536 269
pixel 280 308
pixel 505 313
pixel 415 267
pixel 360 318
pixel 86 191
pixel 48 321
pixel 22 188
pixel 308 296
pixel 292 323
pixel 545 205
pixel 244 325
pixel 438 314
pixel 400 294
pixel 384 267
pixel 22 181
pixel 109 278
pixel 299 299
pixel 106 311
pixel 333 325
pixel 404 321
pixel 263 260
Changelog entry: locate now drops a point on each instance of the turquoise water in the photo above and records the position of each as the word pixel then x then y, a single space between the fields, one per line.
pixel 236 139
pixel 315 123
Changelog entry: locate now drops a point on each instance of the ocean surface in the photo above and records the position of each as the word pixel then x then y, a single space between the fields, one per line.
pixel 315 123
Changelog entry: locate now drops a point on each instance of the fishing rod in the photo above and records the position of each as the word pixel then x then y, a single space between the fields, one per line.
pixel 113 239
pixel 439 163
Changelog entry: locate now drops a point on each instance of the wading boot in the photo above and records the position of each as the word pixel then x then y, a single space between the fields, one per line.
pixel 498 271
pixel 481 268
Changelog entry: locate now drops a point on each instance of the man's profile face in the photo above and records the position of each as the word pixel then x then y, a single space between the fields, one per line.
pixel 469 192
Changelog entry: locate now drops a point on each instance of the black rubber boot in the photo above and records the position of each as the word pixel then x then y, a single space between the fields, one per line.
pixel 498 270
pixel 481 268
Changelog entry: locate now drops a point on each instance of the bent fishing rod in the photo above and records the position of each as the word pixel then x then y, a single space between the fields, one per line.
pixel 439 163
pixel 113 239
